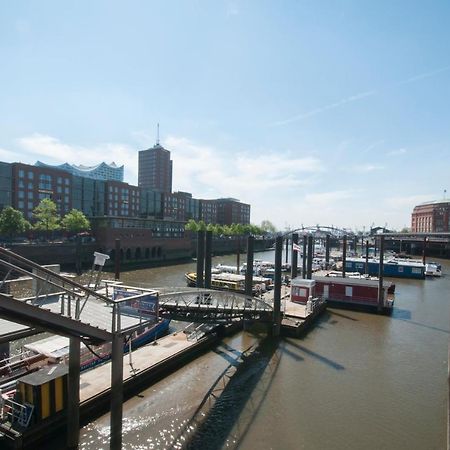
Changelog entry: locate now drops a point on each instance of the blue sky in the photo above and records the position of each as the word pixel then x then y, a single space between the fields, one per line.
pixel 314 112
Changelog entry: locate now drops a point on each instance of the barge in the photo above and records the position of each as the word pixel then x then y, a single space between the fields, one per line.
pixel 391 267
pixel 349 293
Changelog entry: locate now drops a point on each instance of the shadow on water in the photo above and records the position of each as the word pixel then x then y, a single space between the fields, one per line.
pixel 228 409
pixel 344 316
pixel 323 359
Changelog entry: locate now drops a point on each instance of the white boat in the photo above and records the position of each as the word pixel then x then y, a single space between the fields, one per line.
pixel 432 270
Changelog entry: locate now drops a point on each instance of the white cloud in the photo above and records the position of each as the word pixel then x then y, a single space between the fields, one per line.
pixel 322 109
pixel 408 201
pixel 367 167
pixel 400 151
pixel 51 150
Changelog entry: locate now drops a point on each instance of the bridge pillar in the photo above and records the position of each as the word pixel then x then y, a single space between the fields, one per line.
pixel 305 241
pixel 277 288
pixel 294 256
pixel 327 251
pixel 344 255
pixel 249 270
pixel 116 392
pixel 424 249
pixel 208 259
pixel 310 257
pixel 117 259
pixel 73 395
pixel 380 275
pixel 200 257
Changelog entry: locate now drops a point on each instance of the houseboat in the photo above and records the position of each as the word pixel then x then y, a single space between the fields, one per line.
pixel 391 267
pixel 350 293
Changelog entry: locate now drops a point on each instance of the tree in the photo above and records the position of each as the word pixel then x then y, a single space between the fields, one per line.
pixel 75 221
pixel 12 222
pixel 46 216
pixel 268 226
pixel 191 225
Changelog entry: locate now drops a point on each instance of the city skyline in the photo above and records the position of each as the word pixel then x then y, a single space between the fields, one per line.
pixel 311 113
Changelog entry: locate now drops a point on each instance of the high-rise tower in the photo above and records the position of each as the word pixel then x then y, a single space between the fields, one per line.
pixel 155 168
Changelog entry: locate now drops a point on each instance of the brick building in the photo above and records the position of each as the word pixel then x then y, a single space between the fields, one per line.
pixel 431 217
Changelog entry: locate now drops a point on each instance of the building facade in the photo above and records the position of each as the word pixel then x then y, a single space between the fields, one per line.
pixel 155 169
pixel 431 217
pixel 231 210
pixel 24 186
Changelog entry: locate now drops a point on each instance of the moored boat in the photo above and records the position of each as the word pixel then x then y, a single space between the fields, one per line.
pixel 432 270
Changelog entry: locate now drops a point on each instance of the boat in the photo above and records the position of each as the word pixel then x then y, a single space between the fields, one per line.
pixel 55 349
pixel 230 281
pixel 390 286
pixel 432 270
pixel 350 293
pixel 393 267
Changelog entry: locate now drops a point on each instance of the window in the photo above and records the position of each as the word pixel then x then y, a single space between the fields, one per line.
pixel 30 175
pixel 30 195
pixel 348 291
pixel 21 194
pixel 21 173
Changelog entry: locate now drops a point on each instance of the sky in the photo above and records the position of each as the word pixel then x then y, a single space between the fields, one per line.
pixel 314 112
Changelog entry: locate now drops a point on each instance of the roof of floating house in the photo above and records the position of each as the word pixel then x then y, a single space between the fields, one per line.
pixel 101 171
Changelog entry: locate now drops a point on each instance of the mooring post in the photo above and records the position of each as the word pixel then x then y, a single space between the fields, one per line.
pixel 305 242
pixel 367 258
pixel 327 251
pixel 78 247
pixel 287 250
pixel 277 288
pixel 380 276
pixel 424 251
pixel 344 255
pixel 117 260
pixel 116 392
pixel 208 259
pixel 73 394
pixel 310 257
pixel 294 256
pixel 249 269
pixel 238 254
pixel 200 258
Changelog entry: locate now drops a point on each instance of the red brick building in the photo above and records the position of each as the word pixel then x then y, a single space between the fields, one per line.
pixel 431 217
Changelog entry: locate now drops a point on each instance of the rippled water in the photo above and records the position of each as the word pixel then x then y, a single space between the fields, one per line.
pixel 357 381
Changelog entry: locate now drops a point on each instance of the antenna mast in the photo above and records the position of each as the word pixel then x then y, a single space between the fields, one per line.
pixel 157 134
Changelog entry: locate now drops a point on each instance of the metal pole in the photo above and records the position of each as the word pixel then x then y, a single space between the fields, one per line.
pixel 249 269
pixel 116 392
pixel 327 251
pixel 344 255
pixel 238 255
pixel 425 240
pixel 305 242
pixel 277 287
pixel 287 249
pixel 73 395
pixel 117 260
pixel 367 258
pixel 208 259
pixel 380 276
pixel 294 257
pixel 310 257
pixel 200 257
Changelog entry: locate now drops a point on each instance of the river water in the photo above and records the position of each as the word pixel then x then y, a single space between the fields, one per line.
pixel 356 381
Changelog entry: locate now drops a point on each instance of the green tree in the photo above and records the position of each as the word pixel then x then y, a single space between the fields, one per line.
pixel 46 216
pixel 191 225
pixel 268 226
pixel 75 221
pixel 12 222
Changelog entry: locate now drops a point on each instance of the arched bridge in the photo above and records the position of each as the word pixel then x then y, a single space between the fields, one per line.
pixel 207 305
pixel 321 231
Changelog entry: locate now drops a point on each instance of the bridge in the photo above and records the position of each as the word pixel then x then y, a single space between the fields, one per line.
pixel 208 305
